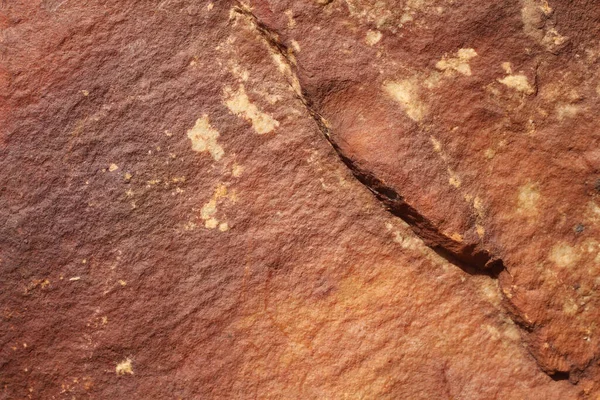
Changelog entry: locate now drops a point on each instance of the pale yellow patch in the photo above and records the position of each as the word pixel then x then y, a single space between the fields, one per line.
pixel 75 278
pixel 564 255
pixel 528 199
pixel 437 146
pixel 553 39
pixel 238 71
pixel 433 80
pixel 454 179
pixel 592 213
pixel 124 367
pixel 210 6
pixel 211 223
pixel 512 332
pixel 405 18
pixel 493 331
pixel 507 67
pixel 113 167
pixel 295 46
pixel 286 70
pixel 565 111
pixel 457 237
pixel 480 230
pixel 237 170
pixel 478 206
pixel 291 21
pixel 240 105
pixel 406 94
pixel 459 63
pixel 518 83
pixel 127 176
pixel 204 138
pixel 85 93
pixel 570 307
pixel 373 37
pixel 534 14
pixel 122 282
pixel 208 212
pixel 545 7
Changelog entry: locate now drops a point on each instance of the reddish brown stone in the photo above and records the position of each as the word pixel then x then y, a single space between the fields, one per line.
pixel 176 225
pixel 476 123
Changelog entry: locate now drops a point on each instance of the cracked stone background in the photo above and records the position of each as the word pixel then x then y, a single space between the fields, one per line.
pixel 310 199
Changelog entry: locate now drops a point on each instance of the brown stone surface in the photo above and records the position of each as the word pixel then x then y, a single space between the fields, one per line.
pixel 175 224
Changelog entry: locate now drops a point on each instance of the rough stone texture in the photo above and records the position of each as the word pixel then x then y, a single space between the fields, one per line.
pixel 175 222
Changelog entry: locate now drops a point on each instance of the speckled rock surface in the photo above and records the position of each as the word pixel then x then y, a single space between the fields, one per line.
pixel 477 123
pixel 175 222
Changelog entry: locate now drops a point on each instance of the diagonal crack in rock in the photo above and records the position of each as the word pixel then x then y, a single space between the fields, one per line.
pixel 471 258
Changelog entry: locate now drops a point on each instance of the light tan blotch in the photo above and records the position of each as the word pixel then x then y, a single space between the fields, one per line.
pixel 291 21
pixel 406 93
pixel 373 37
pixel 236 170
pixel 528 199
pixel 570 307
pixel 564 255
pixel 592 213
pixel 454 179
pixel 519 82
pixel 480 230
pixel 124 367
pixel 489 153
pixel 240 105
pixel 459 63
pixel 208 212
pixel 204 138
pixel 113 167
pixel 295 45
pixel 565 111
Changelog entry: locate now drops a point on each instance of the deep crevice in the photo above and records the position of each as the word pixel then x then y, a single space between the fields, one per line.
pixel 560 376
pixel 468 257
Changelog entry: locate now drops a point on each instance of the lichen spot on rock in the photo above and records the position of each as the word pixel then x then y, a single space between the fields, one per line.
pixel 240 105
pixel 124 368
pixel 564 255
pixel 373 37
pixel 405 93
pixel 528 199
pixel 204 138
pixel 518 83
pixel 459 63
pixel 454 179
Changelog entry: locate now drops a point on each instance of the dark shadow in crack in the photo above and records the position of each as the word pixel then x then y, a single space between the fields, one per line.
pixel 560 376
pixel 492 269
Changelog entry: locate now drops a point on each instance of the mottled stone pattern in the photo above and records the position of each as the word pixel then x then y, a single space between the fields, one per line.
pixel 299 199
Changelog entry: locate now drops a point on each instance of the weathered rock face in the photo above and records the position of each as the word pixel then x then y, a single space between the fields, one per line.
pixel 477 124
pixel 177 224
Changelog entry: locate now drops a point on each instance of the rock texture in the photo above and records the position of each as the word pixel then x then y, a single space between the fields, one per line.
pixel 315 199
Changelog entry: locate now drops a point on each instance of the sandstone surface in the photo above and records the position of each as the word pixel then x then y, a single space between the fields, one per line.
pixel 308 199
